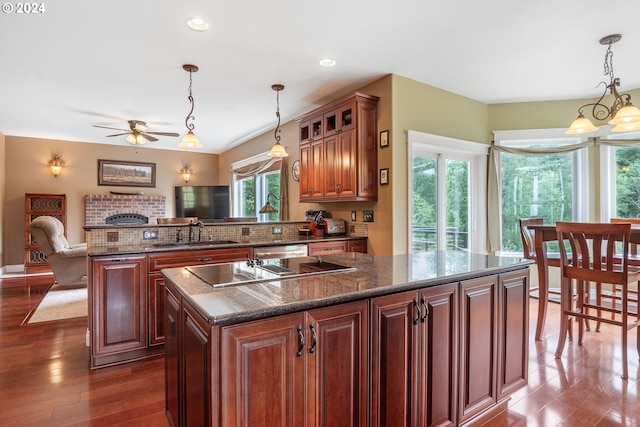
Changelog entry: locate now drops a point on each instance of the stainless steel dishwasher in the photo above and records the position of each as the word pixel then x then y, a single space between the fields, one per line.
pixel 280 251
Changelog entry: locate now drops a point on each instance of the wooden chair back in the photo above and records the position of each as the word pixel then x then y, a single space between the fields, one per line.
pixel 528 236
pixel 633 247
pixel 599 255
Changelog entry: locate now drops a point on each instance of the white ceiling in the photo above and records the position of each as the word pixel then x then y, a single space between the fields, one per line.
pixel 104 62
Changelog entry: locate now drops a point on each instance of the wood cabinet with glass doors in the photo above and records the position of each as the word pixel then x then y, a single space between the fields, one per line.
pixel 338 151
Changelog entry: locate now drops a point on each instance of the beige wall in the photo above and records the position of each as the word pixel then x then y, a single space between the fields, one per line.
pixel 26 171
pixel 425 108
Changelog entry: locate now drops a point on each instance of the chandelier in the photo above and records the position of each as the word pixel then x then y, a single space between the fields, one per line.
pixel 622 113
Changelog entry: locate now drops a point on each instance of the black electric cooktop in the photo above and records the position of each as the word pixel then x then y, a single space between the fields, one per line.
pixel 218 275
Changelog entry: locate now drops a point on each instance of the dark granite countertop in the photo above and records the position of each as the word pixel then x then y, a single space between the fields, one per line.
pixel 151 247
pixel 373 276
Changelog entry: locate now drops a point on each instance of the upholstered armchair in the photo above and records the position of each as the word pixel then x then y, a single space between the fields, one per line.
pixel 68 262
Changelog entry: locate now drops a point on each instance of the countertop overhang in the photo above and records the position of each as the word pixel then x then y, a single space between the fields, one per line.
pixel 373 276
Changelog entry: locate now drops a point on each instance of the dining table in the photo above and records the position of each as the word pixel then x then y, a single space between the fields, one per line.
pixel 547 233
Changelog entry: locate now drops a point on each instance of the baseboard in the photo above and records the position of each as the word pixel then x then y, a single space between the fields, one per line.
pixel 17 270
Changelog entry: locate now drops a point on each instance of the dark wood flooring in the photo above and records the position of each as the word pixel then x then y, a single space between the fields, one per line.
pixel 45 378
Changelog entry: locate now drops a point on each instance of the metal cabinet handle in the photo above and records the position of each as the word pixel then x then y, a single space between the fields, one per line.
pixel 204 259
pixel 426 309
pixel 314 339
pixel 417 319
pixel 300 341
pixel 172 325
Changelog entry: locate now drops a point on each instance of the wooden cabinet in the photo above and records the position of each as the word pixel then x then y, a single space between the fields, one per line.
pixel 158 261
pixel 35 261
pixel 513 327
pixel 172 358
pixel 478 346
pixel 437 356
pixel 301 369
pixel 338 151
pixel 327 248
pixel 359 245
pixel 128 311
pixel 414 358
pixel 118 301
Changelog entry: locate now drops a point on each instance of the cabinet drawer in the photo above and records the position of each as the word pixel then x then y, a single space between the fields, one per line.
pixel 158 261
pixel 325 248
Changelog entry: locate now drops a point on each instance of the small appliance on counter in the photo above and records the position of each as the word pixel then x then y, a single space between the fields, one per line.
pixel 311 214
pixel 334 227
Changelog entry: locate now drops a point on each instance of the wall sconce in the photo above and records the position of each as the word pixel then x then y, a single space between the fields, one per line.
pixel 186 173
pixel 56 164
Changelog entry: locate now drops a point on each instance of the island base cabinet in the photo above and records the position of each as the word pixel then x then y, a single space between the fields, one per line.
pixel 513 353
pixel 413 356
pixel 305 369
pixel 478 346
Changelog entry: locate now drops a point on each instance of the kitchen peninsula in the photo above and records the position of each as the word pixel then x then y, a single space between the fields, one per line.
pixel 433 338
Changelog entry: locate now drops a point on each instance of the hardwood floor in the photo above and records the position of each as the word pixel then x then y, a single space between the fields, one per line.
pixel 45 378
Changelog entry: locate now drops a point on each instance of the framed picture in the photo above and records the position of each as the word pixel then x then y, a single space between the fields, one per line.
pixel 126 174
pixel 384 176
pixel 384 138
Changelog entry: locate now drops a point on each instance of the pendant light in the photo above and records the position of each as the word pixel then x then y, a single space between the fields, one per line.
pixel 621 113
pixel 190 140
pixel 278 150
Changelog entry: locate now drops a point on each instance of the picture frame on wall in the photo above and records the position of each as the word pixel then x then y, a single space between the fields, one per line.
pixel 384 176
pixel 384 139
pixel 126 174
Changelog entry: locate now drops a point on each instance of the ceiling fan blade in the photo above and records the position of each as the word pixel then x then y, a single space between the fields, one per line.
pixel 148 137
pixel 106 127
pixel 163 133
pixel 120 134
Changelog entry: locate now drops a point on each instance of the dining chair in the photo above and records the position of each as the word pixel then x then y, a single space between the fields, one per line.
pixel 593 261
pixel 528 247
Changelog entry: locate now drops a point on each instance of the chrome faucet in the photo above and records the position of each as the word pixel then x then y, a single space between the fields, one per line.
pixel 200 226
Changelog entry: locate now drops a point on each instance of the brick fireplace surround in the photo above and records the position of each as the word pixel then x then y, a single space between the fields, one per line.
pixel 99 206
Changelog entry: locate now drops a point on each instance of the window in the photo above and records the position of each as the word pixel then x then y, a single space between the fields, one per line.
pixel 620 178
pixel 253 180
pixel 550 186
pixel 447 193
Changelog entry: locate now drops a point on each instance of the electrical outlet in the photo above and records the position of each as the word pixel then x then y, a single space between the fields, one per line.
pixel 276 230
pixel 246 231
pixel 352 229
pixel 367 216
pixel 150 234
pixel 112 236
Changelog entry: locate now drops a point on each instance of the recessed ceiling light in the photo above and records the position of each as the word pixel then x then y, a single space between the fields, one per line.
pixel 197 24
pixel 327 62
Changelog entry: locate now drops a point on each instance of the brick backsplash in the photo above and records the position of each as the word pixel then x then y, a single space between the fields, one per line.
pixel 99 206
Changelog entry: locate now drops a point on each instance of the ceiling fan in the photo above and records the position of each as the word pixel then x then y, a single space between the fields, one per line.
pixel 137 133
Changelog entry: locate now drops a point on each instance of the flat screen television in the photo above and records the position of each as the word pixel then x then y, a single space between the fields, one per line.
pixel 207 202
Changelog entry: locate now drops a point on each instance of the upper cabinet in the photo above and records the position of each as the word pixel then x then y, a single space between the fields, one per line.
pixel 338 151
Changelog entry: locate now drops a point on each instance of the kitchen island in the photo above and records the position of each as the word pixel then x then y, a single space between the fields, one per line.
pixel 434 338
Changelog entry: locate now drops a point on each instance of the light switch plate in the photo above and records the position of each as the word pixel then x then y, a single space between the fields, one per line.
pixel 367 216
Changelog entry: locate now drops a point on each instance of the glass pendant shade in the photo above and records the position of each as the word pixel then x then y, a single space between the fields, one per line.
pixel 278 151
pixel 581 125
pixel 627 114
pixel 268 208
pixel 190 140
pixel 626 127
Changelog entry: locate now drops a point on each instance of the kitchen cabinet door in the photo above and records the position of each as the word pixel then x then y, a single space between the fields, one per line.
pixel 414 358
pixel 513 322
pixel 262 375
pixel 337 368
pixel 340 165
pixel 119 300
pixel 311 170
pixel 478 346
pixel 172 360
